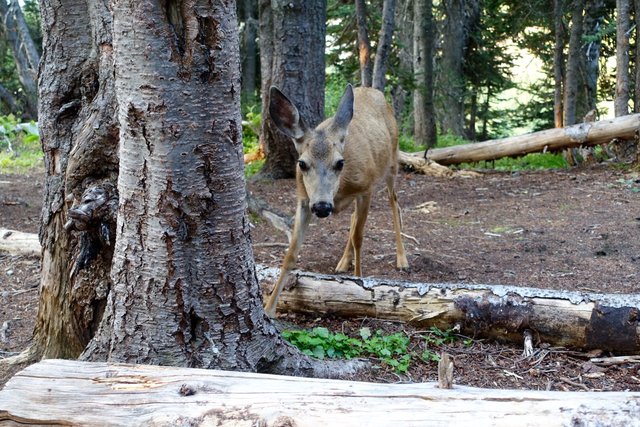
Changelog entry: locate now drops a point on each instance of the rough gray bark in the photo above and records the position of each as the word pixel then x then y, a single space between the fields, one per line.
pixel 621 100
pixel 423 53
pixel 384 45
pixel 292 36
pixel 558 63
pixel 24 51
pixel 573 64
pixel 79 139
pixel 364 45
pixel 185 291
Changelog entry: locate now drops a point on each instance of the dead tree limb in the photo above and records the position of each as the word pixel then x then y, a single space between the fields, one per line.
pixel 583 134
pixel 65 392
pixel 18 243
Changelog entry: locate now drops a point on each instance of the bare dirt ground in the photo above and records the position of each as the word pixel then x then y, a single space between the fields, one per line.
pixel 575 229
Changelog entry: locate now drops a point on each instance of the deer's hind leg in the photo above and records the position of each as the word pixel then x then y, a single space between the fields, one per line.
pixel 352 252
pixel 401 256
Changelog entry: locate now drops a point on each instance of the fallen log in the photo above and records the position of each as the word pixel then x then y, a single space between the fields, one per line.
pixel 579 320
pixel 64 392
pixel 583 134
pixel 18 243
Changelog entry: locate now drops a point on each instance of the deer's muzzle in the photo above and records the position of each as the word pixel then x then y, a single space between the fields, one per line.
pixel 322 209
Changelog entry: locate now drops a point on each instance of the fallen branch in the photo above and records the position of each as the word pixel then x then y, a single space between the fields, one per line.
pixel 98 394
pixel 616 360
pixel 580 320
pixel 583 134
pixel 18 243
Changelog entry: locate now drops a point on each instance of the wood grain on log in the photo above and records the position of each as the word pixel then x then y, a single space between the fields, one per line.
pixel 64 392
pixel 572 319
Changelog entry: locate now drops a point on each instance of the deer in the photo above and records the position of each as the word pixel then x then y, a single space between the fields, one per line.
pixel 340 161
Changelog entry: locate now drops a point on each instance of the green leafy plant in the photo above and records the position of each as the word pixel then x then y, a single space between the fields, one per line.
pixel 19 145
pixel 391 349
pixel 320 343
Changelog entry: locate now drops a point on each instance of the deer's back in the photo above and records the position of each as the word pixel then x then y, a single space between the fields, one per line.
pixel 371 145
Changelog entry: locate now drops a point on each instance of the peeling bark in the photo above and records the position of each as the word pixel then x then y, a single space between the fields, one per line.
pixel 572 319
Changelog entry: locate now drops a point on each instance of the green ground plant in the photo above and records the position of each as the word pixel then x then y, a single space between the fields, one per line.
pixel 20 148
pixel 396 350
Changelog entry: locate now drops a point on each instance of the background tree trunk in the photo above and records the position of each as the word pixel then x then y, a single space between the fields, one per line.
pixel 79 139
pixel 249 52
pixel 590 57
pixel 423 53
pixel 364 45
pixel 558 62
pixel 384 45
pixel 636 92
pixel 292 37
pixel 621 101
pixel 573 64
pixel 451 76
pixel 24 51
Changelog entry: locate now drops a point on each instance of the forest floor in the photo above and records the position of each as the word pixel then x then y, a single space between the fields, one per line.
pixel 576 229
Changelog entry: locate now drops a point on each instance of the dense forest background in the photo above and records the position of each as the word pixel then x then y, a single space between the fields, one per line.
pixel 493 68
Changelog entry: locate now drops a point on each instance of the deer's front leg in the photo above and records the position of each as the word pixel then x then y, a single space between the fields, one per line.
pixel 301 223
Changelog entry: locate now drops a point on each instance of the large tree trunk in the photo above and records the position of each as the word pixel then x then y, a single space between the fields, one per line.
pixel 384 45
pixel 24 51
pixel 559 318
pixel 184 290
pixel 100 394
pixel 558 62
pixel 364 45
pixel 79 139
pixel 423 53
pixel 621 100
pixel 292 35
pixel 583 134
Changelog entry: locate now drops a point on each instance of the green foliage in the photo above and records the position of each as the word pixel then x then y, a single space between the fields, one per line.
pixel 19 145
pixel 321 343
pixel 334 88
pixel 392 349
pixel 532 161
pixel 251 128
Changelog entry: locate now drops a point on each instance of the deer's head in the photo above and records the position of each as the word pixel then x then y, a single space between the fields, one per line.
pixel 320 150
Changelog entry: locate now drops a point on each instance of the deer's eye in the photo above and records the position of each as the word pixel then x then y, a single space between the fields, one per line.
pixel 339 165
pixel 303 165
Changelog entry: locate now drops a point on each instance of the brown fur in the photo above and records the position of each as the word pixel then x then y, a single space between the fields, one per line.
pixel 369 148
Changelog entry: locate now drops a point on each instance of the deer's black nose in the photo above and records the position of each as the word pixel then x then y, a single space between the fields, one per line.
pixel 322 209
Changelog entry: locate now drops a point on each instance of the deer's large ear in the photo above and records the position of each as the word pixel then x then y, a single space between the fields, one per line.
pixel 285 115
pixel 345 110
